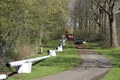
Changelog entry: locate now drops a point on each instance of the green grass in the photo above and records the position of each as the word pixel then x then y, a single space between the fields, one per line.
pixel 114 56
pixel 65 60
pixel 92 46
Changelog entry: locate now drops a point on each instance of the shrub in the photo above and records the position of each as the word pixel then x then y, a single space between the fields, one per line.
pixel 22 52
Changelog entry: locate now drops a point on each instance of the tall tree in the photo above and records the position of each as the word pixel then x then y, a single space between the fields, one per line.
pixel 112 20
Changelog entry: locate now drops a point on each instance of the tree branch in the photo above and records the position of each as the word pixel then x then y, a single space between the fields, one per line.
pixel 101 7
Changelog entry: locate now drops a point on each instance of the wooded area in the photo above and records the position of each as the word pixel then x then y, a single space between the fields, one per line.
pixel 96 20
pixel 27 24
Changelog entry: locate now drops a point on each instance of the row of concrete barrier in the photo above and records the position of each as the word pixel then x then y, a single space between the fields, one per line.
pixel 25 66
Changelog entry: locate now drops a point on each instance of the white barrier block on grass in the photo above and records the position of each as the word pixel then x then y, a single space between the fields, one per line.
pixel 3 76
pixel 25 68
pixel 52 52
pixel 59 48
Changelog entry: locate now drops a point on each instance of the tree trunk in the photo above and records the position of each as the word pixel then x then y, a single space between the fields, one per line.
pixel 113 33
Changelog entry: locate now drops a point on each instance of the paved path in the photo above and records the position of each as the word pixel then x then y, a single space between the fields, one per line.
pixel 93 67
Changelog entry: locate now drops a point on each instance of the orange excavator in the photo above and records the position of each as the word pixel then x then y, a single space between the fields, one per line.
pixel 69 36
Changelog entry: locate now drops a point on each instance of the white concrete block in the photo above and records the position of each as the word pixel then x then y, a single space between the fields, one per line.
pixel 3 76
pixel 25 68
pixel 52 52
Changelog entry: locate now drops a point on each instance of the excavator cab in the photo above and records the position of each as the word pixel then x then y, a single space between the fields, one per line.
pixel 69 36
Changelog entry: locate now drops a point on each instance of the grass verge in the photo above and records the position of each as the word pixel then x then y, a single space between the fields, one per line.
pixel 114 56
pixel 65 60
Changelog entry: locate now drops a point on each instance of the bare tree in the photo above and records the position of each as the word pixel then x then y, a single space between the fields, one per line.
pixel 109 10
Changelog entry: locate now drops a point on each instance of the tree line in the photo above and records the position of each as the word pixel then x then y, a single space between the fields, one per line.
pixel 95 20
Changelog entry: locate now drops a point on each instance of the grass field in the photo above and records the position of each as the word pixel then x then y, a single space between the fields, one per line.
pixel 114 56
pixel 65 60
